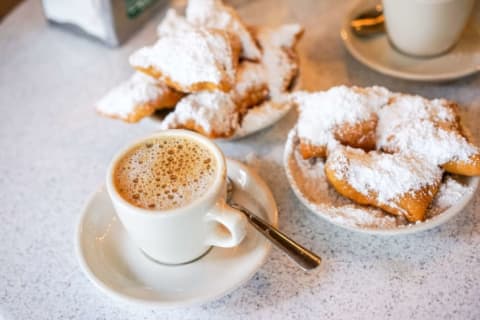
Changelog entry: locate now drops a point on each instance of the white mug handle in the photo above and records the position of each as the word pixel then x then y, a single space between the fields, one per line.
pixel 229 226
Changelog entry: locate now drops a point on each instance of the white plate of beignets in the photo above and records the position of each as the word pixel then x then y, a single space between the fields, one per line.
pixel 211 50
pixel 381 191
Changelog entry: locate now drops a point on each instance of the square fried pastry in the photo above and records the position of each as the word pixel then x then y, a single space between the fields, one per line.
pixel 251 87
pixel 190 61
pixel 211 113
pixel 402 185
pixel 430 129
pixel 279 57
pixel 215 14
pixel 340 115
pixel 136 98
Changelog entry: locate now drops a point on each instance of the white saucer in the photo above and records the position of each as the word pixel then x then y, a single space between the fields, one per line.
pixel 377 53
pixel 119 269
pixel 312 189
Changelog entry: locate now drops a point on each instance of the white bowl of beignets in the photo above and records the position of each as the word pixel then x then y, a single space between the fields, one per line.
pixel 375 161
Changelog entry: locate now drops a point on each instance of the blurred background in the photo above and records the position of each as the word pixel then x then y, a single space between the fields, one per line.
pixel 6 6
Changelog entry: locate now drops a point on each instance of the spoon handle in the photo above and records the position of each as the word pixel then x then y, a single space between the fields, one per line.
pixel 302 256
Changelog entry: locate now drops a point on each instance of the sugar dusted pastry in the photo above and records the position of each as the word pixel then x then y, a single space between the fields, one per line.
pixel 211 113
pixel 345 115
pixel 428 128
pixel 215 14
pixel 399 184
pixel 251 87
pixel 279 57
pixel 405 108
pixel 190 61
pixel 173 23
pixel 136 98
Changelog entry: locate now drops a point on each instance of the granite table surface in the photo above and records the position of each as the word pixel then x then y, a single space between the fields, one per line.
pixel 54 151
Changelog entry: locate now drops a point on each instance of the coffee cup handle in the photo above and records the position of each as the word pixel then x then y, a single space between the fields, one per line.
pixel 228 226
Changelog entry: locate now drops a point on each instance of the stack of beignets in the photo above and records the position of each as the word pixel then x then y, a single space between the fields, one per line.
pixel 210 69
pixel 384 149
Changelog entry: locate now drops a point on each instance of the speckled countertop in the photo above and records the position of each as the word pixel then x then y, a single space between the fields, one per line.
pixel 54 151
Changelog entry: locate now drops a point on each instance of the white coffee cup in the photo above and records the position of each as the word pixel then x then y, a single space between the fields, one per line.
pixel 182 234
pixel 425 27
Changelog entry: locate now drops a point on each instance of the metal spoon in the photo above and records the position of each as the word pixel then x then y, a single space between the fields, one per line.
pixel 369 23
pixel 302 256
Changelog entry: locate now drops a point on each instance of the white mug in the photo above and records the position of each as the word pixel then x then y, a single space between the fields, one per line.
pixel 183 234
pixel 425 27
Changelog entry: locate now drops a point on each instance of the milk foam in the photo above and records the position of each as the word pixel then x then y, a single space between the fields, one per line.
pixel 165 173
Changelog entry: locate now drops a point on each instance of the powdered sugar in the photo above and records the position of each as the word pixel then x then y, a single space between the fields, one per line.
pixel 122 100
pixel 424 138
pixel 451 191
pixel 190 57
pixel 249 75
pixel 285 36
pixel 250 88
pixel 404 108
pixel 213 111
pixel 415 125
pixel 173 24
pixel 214 14
pixel 359 217
pixel 387 176
pixel 279 58
pixel 321 111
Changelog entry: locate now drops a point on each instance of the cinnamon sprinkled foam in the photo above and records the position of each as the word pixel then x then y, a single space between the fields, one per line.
pixel 165 173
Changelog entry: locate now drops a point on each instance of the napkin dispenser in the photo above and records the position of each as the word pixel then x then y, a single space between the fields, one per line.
pixel 110 21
